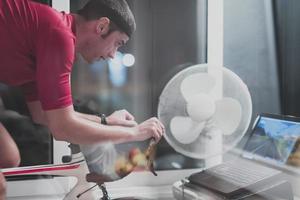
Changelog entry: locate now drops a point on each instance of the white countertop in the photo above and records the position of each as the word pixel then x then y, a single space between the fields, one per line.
pixel 137 184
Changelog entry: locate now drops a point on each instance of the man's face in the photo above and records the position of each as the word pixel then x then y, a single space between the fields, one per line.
pixel 98 47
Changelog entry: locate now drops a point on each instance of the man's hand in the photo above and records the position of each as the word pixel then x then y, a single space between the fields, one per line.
pixel 151 128
pixel 121 118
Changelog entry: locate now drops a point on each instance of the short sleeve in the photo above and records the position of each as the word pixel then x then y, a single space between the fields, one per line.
pixel 55 56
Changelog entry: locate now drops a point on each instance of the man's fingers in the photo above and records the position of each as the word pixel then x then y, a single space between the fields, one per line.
pixel 151 128
pixel 160 126
pixel 158 133
pixel 157 128
pixel 158 122
pixel 156 137
pixel 129 116
pixel 130 123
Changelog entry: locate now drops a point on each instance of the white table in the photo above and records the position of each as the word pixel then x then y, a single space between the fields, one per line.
pixel 138 184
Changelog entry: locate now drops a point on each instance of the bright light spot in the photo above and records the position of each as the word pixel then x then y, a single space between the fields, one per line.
pixel 117 71
pixel 128 60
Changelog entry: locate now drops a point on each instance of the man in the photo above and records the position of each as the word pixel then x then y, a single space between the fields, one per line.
pixel 37 48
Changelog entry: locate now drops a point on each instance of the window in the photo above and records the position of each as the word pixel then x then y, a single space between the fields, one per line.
pixel 170 36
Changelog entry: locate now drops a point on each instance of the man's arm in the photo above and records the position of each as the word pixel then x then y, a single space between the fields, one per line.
pixel 69 125
pixel 93 118
pixel 121 117
pixel 39 117
pixel 10 156
pixel 66 125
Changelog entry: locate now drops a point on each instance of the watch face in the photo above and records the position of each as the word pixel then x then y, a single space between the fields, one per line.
pixel 103 119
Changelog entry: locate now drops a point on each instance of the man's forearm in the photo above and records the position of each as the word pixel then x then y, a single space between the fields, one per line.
pixel 68 125
pixel 85 131
pixel 39 117
pixel 93 118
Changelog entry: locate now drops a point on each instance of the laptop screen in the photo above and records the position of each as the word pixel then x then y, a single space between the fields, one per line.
pixel 273 137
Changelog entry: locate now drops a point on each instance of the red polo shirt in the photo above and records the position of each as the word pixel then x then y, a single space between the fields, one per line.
pixel 37 48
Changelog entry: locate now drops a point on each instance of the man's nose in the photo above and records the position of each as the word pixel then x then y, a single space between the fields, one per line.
pixel 112 54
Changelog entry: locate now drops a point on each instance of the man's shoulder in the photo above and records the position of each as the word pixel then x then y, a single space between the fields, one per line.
pixel 55 24
pixel 48 17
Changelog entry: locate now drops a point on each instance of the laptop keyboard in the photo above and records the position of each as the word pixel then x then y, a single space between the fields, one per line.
pixel 242 173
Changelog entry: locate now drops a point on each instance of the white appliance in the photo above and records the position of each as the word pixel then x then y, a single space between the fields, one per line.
pixel 198 123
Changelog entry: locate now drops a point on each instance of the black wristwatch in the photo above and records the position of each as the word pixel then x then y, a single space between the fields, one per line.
pixel 103 119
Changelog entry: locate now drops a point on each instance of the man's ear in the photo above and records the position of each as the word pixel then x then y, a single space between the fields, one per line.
pixel 102 26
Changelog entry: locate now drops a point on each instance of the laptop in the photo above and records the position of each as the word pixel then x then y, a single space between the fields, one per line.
pixel 271 142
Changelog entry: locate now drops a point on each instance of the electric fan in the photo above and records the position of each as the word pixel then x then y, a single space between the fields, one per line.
pixel 198 125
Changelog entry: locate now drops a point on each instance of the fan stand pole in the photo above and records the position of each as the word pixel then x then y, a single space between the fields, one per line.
pixel 215 47
pixel 214 147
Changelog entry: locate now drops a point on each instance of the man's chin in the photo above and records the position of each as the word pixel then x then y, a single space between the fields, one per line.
pixel 86 59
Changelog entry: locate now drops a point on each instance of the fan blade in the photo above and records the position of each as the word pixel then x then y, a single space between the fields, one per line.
pixel 228 115
pixel 185 130
pixel 196 83
pixel 201 107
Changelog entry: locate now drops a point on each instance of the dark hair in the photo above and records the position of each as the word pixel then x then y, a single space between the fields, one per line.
pixel 117 11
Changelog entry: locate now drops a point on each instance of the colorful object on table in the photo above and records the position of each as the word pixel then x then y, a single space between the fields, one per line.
pixel 137 160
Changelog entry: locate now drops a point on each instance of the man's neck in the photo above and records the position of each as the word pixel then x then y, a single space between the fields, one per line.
pixel 79 24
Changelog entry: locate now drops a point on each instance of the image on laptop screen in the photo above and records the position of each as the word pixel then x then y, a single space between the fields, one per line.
pixel 273 137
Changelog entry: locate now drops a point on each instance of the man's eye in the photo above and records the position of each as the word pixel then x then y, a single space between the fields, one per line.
pixel 120 43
